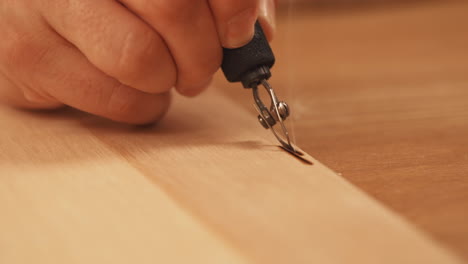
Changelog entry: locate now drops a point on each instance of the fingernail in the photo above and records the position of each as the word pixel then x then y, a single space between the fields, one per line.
pixel 267 14
pixel 239 30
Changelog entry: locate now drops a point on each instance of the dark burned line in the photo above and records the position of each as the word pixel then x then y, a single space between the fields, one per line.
pixel 298 155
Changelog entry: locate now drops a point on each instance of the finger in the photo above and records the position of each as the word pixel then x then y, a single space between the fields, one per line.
pixel 188 28
pixel 116 41
pixel 53 65
pixel 15 91
pixel 235 20
pixel 13 95
pixel 267 17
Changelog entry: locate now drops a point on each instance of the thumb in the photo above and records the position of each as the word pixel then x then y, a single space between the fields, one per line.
pixel 267 17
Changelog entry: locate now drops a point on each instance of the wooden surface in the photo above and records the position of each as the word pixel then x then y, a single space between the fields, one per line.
pixel 204 186
pixel 380 95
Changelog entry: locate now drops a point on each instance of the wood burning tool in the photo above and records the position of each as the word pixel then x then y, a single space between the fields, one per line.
pixel 251 66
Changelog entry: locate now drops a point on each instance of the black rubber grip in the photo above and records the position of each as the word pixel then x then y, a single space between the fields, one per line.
pixel 246 63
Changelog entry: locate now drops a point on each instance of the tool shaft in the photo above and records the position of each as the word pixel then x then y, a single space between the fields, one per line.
pixel 251 63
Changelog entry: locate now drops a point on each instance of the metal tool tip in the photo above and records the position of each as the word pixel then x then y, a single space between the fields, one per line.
pixel 268 119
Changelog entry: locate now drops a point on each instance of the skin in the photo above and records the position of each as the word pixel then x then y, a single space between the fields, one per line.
pixel 118 59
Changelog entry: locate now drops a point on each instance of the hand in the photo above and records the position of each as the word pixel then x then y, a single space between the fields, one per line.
pixel 118 59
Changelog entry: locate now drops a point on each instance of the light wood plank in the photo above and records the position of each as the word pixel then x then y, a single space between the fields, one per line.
pixel 65 197
pixel 207 185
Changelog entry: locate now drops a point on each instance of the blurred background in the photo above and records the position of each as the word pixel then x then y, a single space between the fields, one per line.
pixel 378 91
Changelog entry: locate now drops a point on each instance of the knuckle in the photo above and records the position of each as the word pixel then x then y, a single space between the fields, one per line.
pixel 174 11
pixel 245 8
pixel 139 50
pixel 205 67
pixel 18 51
pixel 24 57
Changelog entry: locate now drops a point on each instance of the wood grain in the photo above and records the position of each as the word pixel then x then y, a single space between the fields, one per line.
pixel 380 95
pixel 206 185
pixel 67 198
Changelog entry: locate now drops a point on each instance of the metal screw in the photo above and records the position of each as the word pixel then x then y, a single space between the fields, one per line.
pixel 283 110
pixel 263 122
pixel 269 119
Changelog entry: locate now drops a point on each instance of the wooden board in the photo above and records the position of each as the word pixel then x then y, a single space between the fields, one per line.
pixel 387 107
pixel 207 185
pixel 380 95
